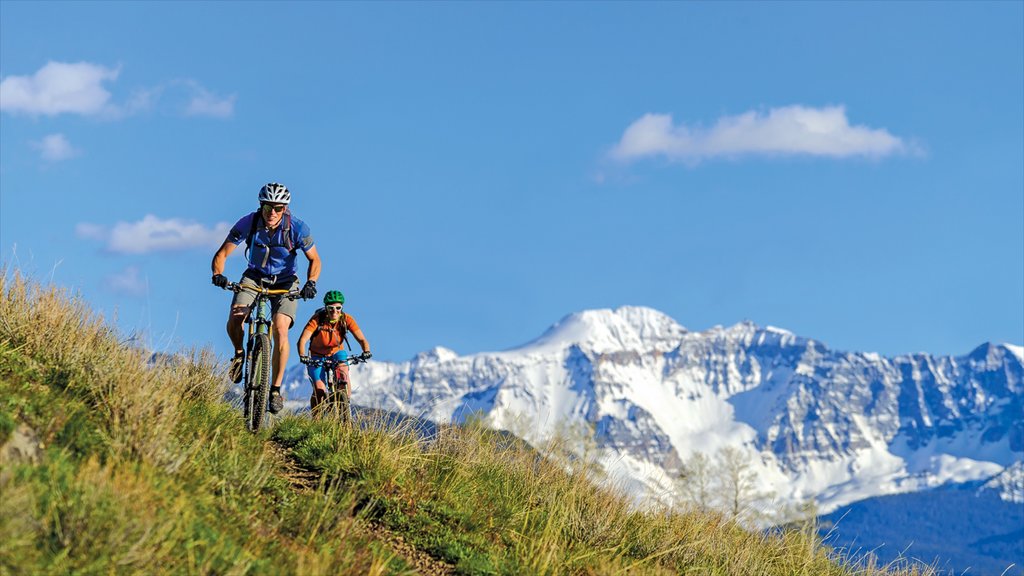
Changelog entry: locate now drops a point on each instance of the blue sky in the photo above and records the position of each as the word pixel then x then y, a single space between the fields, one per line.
pixel 472 172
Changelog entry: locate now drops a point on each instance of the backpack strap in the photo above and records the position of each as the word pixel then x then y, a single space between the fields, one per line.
pixel 321 317
pixel 287 231
pixel 322 323
pixel 344 330
pixel 252 233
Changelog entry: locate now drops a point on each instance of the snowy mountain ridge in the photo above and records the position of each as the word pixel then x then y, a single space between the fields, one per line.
pixel 602 331
pixel 815 423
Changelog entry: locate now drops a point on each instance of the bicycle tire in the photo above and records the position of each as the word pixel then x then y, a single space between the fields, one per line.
pixel 340 408
pixel 337 397
pixel 259 382
pixel 246 387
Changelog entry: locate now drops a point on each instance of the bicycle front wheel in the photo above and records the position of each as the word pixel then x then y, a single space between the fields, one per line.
pixel 259 382
pixel 339 404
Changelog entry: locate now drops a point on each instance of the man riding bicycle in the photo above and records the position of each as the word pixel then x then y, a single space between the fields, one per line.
pixel 327 328
pixel 273 237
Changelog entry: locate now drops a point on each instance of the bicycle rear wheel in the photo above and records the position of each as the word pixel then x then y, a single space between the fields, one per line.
pixel 259 382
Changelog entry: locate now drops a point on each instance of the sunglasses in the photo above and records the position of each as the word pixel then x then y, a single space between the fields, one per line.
pixel 334 308
pixel 274 208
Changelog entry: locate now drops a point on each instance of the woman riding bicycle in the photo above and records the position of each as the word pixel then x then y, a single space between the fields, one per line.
pixel 325 332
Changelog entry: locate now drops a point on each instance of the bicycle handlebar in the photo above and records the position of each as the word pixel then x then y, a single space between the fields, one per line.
pixel 236 287
pixel 331 363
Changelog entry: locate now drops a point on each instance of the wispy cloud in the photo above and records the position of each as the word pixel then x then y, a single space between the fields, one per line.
pixel 91 231
pixel 153 234
pixel 790 130
pixel 141 100
pixel 59 88
pixel 128 281
pixel 82 88
pixel 55 147
pixel 205 103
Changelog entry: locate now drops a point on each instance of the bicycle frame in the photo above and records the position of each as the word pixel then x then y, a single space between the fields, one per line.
pixel 259 319
pixel 259 312
pixel 258 351
pixel 334 394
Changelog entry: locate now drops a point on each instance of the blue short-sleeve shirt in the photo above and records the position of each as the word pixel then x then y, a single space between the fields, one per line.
pixel 272 253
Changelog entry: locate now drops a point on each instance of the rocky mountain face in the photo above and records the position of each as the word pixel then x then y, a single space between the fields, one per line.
pixel 811 422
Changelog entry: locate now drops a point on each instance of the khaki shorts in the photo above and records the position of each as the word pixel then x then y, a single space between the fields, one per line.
pixel 278 304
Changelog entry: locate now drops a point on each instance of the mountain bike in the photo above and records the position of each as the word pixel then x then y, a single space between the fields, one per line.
pixel 337 404
pixel 258 353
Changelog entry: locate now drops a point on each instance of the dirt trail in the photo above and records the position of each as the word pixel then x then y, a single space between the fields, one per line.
pixel 303 480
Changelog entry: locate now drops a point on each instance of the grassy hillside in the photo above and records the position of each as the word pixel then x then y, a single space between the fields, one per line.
pixel 115 464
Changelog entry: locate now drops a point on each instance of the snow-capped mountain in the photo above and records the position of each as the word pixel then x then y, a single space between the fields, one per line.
pixel 814 423
pixel 1008 485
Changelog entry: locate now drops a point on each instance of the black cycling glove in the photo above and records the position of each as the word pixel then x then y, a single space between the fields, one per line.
pixel 220 281
pixel 366 355
pixel 309 290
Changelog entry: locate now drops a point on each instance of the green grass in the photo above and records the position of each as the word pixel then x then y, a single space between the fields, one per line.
pixel 141 468
pixel 487 505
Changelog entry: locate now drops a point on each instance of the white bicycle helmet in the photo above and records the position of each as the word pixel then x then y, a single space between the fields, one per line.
pixel 275 193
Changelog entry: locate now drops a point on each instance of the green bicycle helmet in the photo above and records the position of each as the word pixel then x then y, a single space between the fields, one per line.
pixel 334 297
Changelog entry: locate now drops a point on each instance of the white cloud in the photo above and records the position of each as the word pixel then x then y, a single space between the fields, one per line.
pixel 55 148
pixel 128 282
pixel 791 130
pixel 205 103
pixel 142 99
pixel 90 231
pixel 152 234
pixel 79 88
pixel 58 88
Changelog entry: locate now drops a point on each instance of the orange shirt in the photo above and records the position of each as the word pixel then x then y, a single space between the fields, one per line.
pixel 328 339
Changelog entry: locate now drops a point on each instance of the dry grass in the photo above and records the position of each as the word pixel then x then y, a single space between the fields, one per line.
pixel 140 467
pixel 138 405
pixel 489 504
